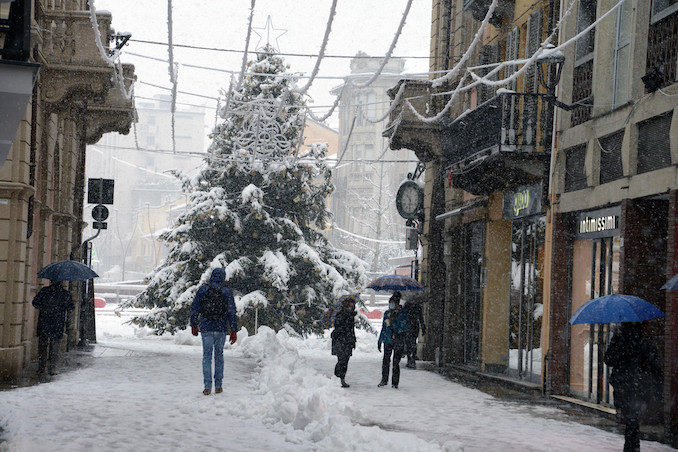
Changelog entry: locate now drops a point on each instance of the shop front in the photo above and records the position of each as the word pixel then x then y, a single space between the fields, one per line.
pixel 523 207
pixel 596 253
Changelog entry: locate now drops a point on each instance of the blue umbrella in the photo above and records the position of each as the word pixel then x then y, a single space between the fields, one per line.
pixel 395 282
pixel 615 309
pixel 672 284
pixel 67 271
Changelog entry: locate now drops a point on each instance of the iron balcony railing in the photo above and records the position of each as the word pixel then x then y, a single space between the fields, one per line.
pixel 509 122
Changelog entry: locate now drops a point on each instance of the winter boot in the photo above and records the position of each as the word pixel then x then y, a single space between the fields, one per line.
pixel 344 384
pixel 206 391
pixel 218 390
pixel 395 386
pixel 382 383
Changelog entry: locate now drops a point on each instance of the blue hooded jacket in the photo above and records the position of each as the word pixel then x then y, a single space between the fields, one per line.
pixel 217 280
pixel 395 328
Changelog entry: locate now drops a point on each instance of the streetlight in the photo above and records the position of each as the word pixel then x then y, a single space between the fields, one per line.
pixel 555 57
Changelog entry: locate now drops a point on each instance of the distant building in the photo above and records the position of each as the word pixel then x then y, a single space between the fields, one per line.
pixel 142 178
pixel 363 203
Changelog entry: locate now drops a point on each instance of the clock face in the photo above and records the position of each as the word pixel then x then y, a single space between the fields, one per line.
pixel 409 199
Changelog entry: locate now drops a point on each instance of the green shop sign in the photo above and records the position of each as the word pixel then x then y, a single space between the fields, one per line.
pixel 522 202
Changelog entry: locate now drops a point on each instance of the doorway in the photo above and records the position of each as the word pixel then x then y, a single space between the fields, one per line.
pixel 525 299
pixel 473 277
pixel 595 271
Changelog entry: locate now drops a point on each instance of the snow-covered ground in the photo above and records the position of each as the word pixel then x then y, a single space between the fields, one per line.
pixel 141 392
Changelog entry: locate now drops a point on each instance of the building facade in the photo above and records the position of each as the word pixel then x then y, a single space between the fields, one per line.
pixel 363 203
pixel 532 209
pixel 74 102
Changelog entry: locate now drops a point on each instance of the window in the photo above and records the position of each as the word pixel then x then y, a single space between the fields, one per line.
pixel 575 171
pixel 610 157
pixel 663 8
pixel 532 42
pixel 371 105
pixel 369 151
pixel 488 55
pixel 585 17
pixel 622 54
pixel 662 45
pixel 654 151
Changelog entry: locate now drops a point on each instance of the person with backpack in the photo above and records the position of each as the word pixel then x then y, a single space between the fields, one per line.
pixel 392 336
pixel 212 315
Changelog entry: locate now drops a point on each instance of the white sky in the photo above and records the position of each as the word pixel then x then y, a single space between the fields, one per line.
pixel 367 25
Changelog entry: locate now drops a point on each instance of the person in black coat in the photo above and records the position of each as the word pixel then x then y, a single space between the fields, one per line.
pixel 415 322
pixel 52 302
pixel 635 368
pixel 343 338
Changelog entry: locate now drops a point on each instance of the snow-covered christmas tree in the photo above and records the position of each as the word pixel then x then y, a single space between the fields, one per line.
pixel 256 209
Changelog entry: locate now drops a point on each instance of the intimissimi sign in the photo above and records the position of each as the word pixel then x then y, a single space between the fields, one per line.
pixel 598 223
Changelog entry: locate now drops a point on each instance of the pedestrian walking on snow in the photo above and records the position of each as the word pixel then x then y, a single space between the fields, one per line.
pixel 392 336
pixel 52 302
pixel 635 374
pixel 213 315
pixel 415 321
pixel 343 338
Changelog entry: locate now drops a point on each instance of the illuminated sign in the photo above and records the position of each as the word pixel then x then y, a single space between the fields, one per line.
pixel 522 202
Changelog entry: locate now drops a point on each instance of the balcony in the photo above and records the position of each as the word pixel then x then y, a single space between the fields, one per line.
pixel 404 129
pixel 502 143
pixel 479 8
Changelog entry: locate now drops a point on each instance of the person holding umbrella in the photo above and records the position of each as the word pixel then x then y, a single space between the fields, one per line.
pixel 52 303
pixel 415 321
pixel 392 336
pixel 343 337
pixel 632 356
pixel 635 367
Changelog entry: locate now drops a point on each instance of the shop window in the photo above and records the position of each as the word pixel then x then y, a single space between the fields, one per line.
pixel 654 151
pixel 526 295
pixel 610 157
pixel 595 273
pixel 622 54
pixel 575 170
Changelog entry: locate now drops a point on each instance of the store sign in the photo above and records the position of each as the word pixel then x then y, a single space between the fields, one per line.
pixel 598 223
pixel 522 202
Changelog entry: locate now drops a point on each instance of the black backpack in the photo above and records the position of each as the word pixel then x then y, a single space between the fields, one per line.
pixel 213 304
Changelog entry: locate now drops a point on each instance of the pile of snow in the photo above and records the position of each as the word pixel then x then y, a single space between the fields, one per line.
pixel 306 405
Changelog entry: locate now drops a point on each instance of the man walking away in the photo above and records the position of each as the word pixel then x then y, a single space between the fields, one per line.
pixel 415 318
pixel 52 302
pixel 343 338
pixel 393 337
pixel 214 308
pixel 635 367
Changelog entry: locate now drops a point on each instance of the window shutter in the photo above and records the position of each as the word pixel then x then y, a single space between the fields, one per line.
pixel 512 41
pixel 654 149
pixel 533 40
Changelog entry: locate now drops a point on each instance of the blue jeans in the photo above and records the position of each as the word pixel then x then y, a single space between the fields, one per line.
pixel 213 341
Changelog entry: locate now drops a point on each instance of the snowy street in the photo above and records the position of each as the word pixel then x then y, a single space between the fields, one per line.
pixel 140 392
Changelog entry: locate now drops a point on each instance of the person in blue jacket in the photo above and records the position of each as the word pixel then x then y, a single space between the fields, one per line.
pixel 213 315
pixel 392 335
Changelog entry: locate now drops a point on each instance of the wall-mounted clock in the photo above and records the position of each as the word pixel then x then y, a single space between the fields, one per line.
pixel 410 200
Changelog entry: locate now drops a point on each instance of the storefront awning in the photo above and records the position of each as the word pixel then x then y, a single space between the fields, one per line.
pixel 462 209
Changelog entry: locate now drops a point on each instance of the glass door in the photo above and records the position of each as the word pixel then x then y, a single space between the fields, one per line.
pixel 526 290
pixel 595 273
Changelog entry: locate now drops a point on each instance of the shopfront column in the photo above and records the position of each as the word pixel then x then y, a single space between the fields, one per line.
pixel 671 327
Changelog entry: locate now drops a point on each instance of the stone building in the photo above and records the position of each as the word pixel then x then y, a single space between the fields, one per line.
pixel 363 202
pixel 532 210
pixel 73 103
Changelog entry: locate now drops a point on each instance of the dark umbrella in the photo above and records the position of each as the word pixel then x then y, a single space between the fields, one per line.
pixel 672 284
pixel 67 271
pixel 395 282
pixel 615 309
